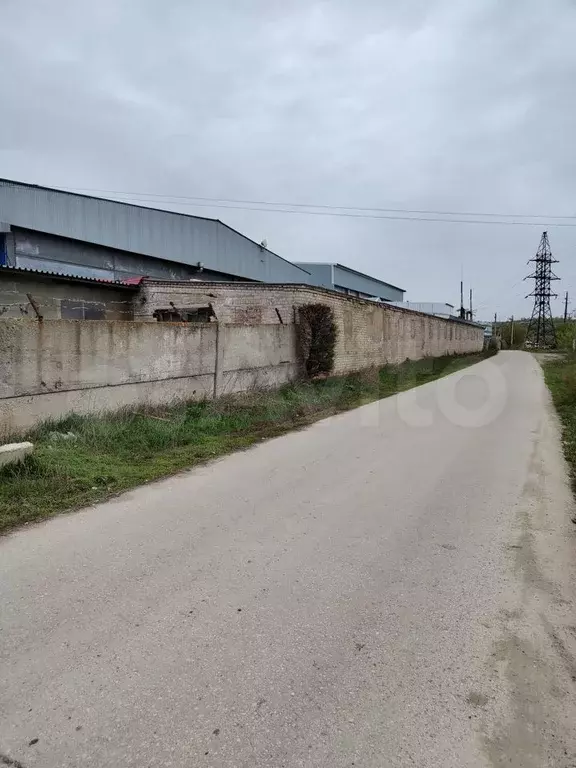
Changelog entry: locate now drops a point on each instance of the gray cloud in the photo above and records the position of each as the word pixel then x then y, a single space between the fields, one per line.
pixel 430 105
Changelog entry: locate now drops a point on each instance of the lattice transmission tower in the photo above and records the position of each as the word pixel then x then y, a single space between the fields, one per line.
pixel 541 331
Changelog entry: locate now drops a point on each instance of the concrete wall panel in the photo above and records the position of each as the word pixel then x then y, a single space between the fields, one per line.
pixel 52 368
pixel 38 358
pixel 20 414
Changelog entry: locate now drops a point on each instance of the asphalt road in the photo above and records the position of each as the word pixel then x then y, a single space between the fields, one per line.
pixel 394 586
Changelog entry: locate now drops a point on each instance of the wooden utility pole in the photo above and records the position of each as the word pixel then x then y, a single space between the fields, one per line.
pixel 511 331
pixel 566 307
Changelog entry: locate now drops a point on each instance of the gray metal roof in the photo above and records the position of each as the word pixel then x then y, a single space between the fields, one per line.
pixel 132 283
pixel 138 229
pixel 352 271
pixel 369 277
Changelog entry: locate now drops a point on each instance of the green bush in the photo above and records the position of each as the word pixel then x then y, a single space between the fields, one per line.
pixel 516 342
pixel 317 335
pixel 565 334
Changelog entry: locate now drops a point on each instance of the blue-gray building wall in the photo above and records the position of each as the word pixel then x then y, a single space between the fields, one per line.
pixel 52 253
pixel 320 275
pixel 339 278
pixel 157 234
pixel 365 285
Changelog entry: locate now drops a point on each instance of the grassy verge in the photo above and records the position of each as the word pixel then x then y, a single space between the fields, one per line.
pixel 112 453
pixel 560 375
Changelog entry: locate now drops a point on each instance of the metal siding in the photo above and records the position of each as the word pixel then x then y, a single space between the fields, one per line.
pixel 159 234
pixel 320 274
pixel 428 307
pixel 37 245
pixel 329 275
pixel 365 285
pixel 51 253
pixel 75 270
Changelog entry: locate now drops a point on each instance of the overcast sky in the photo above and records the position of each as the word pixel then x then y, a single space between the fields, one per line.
pixel 458 105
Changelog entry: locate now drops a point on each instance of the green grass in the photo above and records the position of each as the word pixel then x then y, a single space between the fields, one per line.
pixel 112 453
pixel 560 375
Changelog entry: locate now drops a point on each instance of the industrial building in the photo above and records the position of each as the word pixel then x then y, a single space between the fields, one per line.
pixel 49 230
pixel 338 277
pixel 437 308
pixel 76 255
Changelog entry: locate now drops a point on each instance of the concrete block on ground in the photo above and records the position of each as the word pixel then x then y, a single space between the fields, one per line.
pixel 14 452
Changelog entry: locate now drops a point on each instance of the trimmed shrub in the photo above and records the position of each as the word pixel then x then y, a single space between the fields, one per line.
pixel 317 334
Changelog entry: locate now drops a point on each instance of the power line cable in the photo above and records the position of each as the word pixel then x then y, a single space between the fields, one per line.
pixel 219 200
pixel 341 214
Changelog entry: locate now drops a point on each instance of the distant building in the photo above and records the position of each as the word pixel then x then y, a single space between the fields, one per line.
pixel 488 328
pixel 439 309
pixel 343 279
pixel 49 230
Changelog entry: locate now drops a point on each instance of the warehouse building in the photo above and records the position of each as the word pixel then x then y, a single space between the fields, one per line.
pixel 437 308
pixel 338 277
pixel 48 230
pixel 48 236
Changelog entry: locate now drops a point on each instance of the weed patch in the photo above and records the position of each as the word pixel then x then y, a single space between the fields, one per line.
pixel 560 375
pixel 111 453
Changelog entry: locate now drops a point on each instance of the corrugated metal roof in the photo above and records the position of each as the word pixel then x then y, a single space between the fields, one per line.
pixel 352 271
pixel 369 277
pixel 161 234
pixel 131 282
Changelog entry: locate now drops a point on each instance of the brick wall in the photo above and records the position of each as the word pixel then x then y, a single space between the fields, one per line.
pixel 369 333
